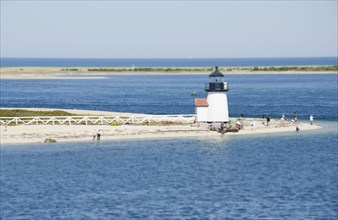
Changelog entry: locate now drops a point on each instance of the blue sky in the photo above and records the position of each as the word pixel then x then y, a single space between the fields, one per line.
pixel 169 29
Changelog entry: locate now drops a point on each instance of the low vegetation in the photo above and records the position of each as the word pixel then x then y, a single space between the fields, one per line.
pixel 151 69
pixel 71 69
pixel 30 113
pixel 296 68
pixel 49 140
pixel 162 123
pixel 225 69
pixel 115 124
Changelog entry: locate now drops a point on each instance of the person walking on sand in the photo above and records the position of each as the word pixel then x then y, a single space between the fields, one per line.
pixel 311 119
pixel 94 134
pixel 99 133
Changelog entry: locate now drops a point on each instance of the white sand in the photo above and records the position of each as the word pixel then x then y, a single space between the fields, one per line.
pixel 62 133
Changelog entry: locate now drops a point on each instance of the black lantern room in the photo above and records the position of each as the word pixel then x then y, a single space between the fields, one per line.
pixel 216 82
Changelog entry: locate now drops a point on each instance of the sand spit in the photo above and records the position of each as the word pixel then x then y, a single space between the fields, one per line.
pixel 64 133
pixel 83 73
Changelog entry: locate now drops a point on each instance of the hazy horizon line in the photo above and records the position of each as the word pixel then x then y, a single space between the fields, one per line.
pixel 280 57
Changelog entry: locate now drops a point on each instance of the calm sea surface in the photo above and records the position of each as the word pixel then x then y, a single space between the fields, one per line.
pixel 284 176
pixel 289 176
pixel 251 95
pixel 53 62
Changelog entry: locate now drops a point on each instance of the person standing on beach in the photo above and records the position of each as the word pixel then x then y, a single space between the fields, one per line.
pixel 222 128
pixel 5 123
pixel 268 120
pixel 283 117
pixel 94 134
pixel 295 114
pixel 99 133
pixel 311 119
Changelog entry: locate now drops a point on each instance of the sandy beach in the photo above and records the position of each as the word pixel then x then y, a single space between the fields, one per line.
pixel 84 73
pixel 64 133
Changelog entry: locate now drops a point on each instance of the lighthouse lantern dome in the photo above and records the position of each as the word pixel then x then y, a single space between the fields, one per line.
pixel 216 76
pixel 216 82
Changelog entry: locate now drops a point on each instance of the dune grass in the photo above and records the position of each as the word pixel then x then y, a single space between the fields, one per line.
pixel 225 69
pixel 30 113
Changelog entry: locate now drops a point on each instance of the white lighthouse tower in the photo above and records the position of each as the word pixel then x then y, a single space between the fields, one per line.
pixel 215 107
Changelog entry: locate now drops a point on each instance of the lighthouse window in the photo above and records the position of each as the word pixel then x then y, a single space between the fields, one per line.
pixel 216 79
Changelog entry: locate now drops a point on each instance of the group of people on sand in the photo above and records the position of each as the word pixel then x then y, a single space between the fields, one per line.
pixel 222 128
pixel 239 124
pixel 97 135
pixel 295 118
pixel 283 118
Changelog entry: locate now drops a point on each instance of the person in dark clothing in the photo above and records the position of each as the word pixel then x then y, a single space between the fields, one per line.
pixel 98 136
pixel 268 120
pixel 222 128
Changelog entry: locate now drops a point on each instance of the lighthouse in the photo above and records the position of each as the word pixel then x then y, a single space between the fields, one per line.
pixel 214 108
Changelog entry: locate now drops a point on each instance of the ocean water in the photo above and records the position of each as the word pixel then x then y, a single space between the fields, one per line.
pixel 286 176
pixel 187 62
pixel 251 95
pixel 280 176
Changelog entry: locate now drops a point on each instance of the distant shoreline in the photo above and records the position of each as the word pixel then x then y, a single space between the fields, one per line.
pixel 101 72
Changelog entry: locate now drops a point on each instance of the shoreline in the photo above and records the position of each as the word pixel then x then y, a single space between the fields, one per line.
pixel 23 134
pixel 90 73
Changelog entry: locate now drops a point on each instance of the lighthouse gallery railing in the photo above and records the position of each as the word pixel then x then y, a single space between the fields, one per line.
pixel 216 86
